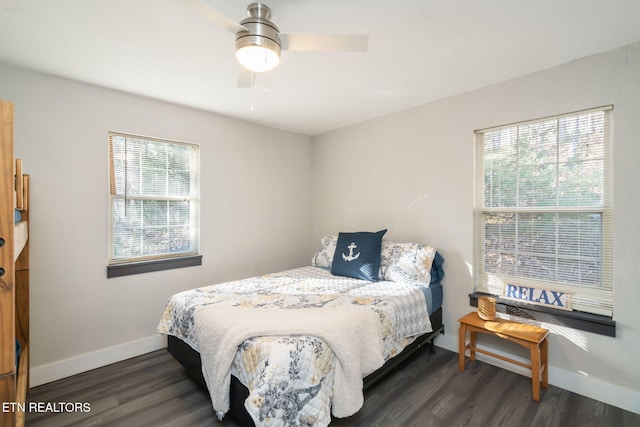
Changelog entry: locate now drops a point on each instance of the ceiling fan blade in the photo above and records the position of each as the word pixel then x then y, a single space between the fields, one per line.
pixel 325 42
pixel 246 78
pixel 204 9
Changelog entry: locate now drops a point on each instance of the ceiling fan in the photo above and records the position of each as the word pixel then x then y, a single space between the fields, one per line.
pixel 259 41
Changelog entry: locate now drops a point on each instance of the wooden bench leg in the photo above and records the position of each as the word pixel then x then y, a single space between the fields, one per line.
pixel 462 345
pixel 535 371
pixel 544 347
pixel 472 343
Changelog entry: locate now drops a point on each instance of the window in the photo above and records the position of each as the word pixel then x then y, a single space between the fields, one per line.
pixel 544 208
pixel 154 199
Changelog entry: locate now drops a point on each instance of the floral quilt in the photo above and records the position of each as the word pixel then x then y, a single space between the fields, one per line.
pixel 290 378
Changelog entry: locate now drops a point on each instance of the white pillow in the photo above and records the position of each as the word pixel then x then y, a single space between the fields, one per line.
pixel 324 257
pixel 406 262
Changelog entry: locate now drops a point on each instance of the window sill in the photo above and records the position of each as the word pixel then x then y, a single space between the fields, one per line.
pixel 118 270
pixel 594 323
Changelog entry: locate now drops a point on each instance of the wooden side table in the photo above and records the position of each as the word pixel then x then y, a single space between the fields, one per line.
pixel 529 336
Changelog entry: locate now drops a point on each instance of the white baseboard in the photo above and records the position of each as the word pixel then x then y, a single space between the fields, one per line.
pixel 85 362
pixel 584 385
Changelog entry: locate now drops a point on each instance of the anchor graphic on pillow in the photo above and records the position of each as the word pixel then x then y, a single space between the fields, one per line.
pixel 351 256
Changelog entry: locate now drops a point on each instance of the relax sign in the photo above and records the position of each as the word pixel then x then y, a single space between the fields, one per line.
pixel 538 296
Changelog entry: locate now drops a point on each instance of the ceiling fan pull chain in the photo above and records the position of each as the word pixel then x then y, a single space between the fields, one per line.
pixel 251 93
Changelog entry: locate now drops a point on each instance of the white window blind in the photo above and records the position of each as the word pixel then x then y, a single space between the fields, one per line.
pixel 154 198
pixel 544 214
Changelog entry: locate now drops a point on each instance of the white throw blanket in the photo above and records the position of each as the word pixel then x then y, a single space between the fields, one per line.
pixel 353 333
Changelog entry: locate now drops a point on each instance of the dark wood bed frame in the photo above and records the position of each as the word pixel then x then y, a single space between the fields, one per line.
pixel 190 359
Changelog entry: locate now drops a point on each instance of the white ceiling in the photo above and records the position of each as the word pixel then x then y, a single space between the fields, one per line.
pixel 419 51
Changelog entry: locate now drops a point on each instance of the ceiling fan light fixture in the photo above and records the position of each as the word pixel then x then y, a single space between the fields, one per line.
pixel 257 53
pixel 258 45
pixel 259 41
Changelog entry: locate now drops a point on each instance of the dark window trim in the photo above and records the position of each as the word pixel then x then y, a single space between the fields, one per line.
pixel 597 324
pixel 127 269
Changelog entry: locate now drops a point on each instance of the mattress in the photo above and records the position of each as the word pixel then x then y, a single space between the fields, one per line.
pixel 276 368
pixel 20 236
pixel 434 296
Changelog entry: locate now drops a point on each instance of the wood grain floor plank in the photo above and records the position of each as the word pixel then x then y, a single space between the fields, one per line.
pixel 425 391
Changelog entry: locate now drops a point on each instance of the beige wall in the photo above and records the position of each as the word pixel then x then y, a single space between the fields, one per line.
pixel 255 189
pixel 412 172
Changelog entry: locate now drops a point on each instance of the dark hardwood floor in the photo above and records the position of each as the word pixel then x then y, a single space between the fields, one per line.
pixel 427 390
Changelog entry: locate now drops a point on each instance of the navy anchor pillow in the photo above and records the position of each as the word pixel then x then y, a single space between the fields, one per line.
pixel 358 255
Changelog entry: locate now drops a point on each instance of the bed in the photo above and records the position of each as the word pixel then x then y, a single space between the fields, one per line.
pixel 286 348
pixel 14 283
pixel 20 213
pixel 20 235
